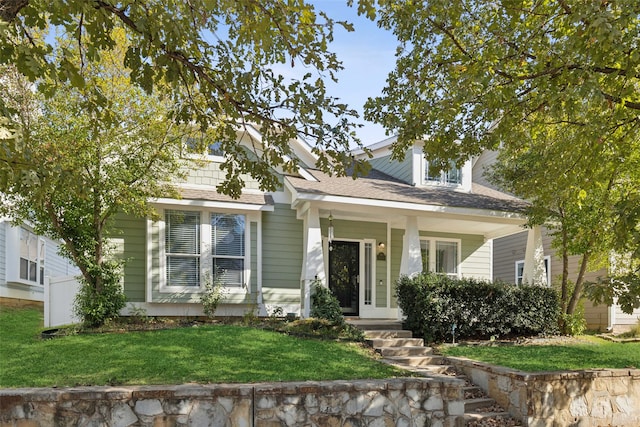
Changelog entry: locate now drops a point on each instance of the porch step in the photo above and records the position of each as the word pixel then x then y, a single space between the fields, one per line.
pixel 373 334
pixel 395 342
pixel 376 324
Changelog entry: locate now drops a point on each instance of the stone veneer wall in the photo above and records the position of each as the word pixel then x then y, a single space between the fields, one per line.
pixel 404 402
pixel 602 397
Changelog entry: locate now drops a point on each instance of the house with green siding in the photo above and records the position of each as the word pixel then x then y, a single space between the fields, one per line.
pixel 356 237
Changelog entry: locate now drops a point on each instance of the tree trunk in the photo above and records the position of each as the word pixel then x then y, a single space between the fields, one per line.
pixel 9 9
pixel 577 290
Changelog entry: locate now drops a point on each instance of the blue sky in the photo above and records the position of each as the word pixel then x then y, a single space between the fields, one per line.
pixel 367 54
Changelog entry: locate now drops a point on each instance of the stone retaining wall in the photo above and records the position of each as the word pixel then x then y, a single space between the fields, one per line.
pixel 604 397
pixel 403 402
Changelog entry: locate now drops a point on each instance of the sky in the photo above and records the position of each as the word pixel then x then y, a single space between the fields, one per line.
pixel 367 54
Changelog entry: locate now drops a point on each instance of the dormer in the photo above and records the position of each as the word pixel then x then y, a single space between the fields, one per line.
pixel 455 178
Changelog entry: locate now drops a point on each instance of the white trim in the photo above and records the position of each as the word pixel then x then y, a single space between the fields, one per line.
pixel 547 265
pixel 205 253
pixel 149 260
pixel 210 204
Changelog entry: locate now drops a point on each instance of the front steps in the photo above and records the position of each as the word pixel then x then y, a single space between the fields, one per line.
pixel 398 348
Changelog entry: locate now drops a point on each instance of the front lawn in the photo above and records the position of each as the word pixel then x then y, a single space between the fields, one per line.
pixel 587 353
pixel 203 354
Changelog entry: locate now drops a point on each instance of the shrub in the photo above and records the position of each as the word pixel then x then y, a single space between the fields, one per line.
pixel 437 306
pixel 324 305
pixel 214 291
pixel 97 307
pixel 573 324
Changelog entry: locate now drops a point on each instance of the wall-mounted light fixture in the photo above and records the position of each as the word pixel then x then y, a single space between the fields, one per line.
pixel 382 252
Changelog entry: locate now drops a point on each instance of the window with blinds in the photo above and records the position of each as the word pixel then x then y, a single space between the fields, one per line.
pixel 228 247
pixel 182 246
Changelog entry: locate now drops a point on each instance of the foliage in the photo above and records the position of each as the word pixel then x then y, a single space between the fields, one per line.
pixel 204 354
pixel 79 161
pixel 324 305
pixel 438 306
pixel 572 354
pixel 634 332
pixel 574 323
pixel 232 60
pixel 621 287
pixel 554 85
pixel 97 307
pixel 214 292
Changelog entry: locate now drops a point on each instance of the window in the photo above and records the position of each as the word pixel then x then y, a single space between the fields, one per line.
pixel 196 146
pixel 199 243
pixel 520 270
pixel 182 245
pixel 227 243
pixel 215 149
pixel 446 258
pixel 451 176
pixel 31 257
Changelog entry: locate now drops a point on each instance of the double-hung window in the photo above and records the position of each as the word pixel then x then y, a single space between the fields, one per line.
pixel 450 177
pixel 228 247
pixel 31 257
pixel 182 246
pixel 441 256
pixel 520 270
pixel 200 243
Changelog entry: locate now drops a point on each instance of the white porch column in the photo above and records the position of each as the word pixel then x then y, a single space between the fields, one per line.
pixel 312 261
pixel 534 272
pixel 411 262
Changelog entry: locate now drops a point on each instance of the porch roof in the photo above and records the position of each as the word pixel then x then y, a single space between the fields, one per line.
pixel 380 186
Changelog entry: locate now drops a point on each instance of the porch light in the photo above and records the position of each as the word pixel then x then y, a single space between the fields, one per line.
pixel 382 255
pixel 330 232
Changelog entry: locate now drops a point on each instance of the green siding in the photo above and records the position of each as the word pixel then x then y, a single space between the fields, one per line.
pixel 132 234
pixel 282 248
pixel 401 170
pixel 474 251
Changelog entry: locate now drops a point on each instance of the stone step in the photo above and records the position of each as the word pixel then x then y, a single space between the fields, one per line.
pixel 416 360
pixel 374 334
pixel 484 417
pixel 473 392
pixel 405 351
pixel 395 342
pixel 471 405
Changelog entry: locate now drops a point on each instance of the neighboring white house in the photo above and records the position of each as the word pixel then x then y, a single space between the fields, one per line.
pixel 25 260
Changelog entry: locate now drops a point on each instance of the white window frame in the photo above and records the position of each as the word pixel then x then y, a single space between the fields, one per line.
pixel 204 155
pixel 442 181
pixel 547 267
pixel 206 255
pixel 40 262
pixel 432 253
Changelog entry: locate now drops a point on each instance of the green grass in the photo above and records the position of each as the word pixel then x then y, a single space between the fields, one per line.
pixel 204 354
pixel 591 353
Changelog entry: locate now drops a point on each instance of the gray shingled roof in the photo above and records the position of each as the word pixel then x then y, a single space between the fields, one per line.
pixel 214 196
pixel 379 186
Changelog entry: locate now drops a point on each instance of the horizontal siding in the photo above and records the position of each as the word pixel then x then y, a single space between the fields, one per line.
pixel 476 258
pixel 282 247
pixel 399 170
pixel 506 251
pixel 597 316
pixel 133 238
pixel 486 159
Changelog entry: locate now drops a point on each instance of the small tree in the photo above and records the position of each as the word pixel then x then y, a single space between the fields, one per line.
pixel 324 305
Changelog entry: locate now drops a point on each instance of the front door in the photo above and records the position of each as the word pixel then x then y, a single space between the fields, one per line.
pixel 344 274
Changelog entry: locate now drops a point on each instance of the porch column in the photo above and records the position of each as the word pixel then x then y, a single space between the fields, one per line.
pixel 411 262
pixel 534 272
pixel 312 261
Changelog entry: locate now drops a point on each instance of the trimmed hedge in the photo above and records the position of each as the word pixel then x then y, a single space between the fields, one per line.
pixel 434 303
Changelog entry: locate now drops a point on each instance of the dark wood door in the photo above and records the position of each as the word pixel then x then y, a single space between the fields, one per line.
pixel 344 275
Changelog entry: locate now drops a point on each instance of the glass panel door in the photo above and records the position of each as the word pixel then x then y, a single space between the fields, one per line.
pixel 344 275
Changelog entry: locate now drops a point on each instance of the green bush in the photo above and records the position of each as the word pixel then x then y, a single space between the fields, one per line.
pixel 95 308
pixel 214 291
pixel 324 305
pixel 438 306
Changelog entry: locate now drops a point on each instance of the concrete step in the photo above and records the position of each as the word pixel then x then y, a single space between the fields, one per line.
pixel 378 333
pixel 472 405
pixel 395 342
pixel 405 351
pixel 375 324
pixel 416 360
